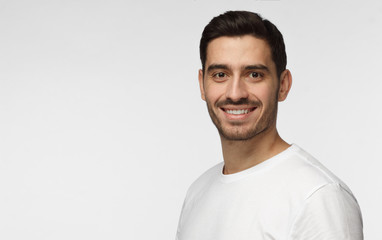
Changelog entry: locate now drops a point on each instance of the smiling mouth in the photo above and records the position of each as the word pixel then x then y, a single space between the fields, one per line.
pixel 238 111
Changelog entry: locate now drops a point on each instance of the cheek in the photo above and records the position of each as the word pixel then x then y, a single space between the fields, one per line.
pixel 214 93
pixel 265 93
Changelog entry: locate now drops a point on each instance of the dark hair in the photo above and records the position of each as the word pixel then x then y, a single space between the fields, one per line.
pixel 239 23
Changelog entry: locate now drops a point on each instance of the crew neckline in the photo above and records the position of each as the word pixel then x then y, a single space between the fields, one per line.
pixel 227 178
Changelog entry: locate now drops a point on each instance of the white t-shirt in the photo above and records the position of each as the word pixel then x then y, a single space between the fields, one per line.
pixel 289 196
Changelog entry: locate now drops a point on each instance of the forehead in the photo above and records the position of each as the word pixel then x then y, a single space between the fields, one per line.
pixel 239 51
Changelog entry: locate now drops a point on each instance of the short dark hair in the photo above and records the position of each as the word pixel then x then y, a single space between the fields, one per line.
pixel 240 23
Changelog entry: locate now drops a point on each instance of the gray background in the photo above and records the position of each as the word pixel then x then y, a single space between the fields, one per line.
pixel 102 128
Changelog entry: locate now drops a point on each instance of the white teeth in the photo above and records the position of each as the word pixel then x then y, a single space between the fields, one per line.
pixel 237 112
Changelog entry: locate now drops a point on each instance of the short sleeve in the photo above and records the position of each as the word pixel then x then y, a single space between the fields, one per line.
pixel 330 213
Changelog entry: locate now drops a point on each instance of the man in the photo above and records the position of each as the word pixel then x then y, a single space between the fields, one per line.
pixel 265 188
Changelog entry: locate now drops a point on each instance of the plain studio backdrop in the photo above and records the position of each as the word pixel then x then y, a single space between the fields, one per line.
pixel 102 128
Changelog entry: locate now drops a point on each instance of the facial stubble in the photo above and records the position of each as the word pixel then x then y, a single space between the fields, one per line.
pixel 236 131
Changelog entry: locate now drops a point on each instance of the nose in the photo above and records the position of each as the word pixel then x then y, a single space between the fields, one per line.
pixel 237 89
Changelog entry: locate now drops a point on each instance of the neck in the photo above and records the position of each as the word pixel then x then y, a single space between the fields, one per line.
pixel 241 155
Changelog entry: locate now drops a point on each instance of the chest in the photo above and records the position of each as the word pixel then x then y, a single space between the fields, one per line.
pixel 238 211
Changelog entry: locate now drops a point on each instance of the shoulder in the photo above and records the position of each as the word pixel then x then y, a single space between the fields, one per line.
pixel 327 208
pixel 204 180
pixel 307 174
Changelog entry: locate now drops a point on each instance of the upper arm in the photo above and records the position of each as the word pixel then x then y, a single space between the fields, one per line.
pixel 329 213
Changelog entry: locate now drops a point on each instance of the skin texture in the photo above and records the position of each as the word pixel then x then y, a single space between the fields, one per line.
pixel 241 75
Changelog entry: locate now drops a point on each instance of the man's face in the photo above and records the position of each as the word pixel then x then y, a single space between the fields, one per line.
pixel 240 85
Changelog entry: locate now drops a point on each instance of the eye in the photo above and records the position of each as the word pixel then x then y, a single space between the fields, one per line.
pixel 255 75
pixel 220 75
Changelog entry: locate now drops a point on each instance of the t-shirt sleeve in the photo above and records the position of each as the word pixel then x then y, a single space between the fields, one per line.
pixel 330 213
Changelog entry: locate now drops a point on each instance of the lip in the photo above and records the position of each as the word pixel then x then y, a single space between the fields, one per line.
pixel 242 116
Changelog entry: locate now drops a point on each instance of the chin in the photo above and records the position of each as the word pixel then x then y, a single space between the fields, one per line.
pixel 237 135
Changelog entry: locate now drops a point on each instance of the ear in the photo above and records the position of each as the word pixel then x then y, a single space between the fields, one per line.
pixel 285 84
pixel 201 84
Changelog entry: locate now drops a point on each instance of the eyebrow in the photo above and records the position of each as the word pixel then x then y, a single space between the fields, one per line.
pixel 217 66
pixel 248 67
pixel 257 67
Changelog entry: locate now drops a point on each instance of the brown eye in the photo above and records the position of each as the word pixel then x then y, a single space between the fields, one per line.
pixel 220 75
pixel 255 75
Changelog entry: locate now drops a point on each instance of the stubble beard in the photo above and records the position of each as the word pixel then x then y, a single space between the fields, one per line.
pixel 238 132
